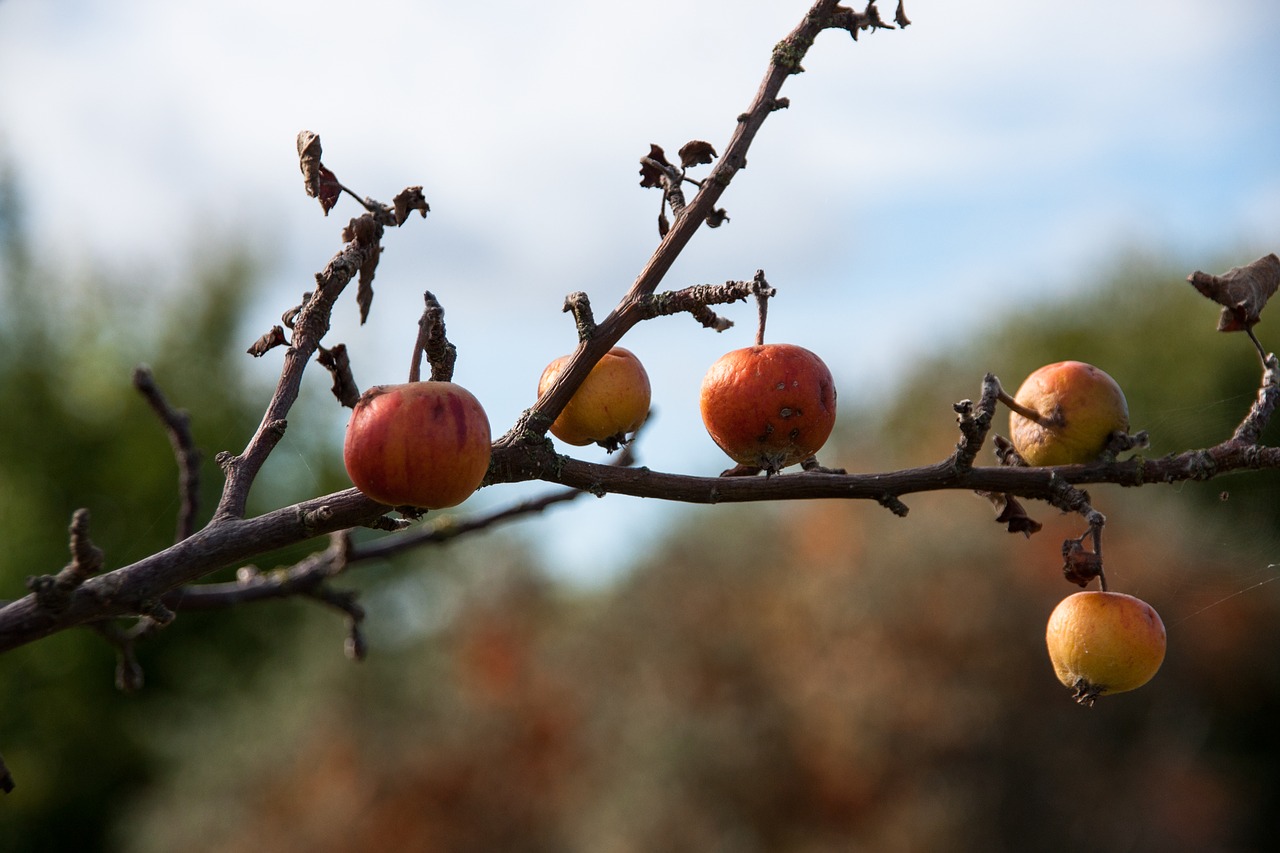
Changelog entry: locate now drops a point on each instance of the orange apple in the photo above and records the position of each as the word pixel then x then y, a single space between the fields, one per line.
pixel 770 405
pixel 423 444
pixel 610 403
pixel 1078 407
pixel 1104 642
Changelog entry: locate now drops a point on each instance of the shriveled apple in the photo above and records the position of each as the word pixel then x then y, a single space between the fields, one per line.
pixel 770 405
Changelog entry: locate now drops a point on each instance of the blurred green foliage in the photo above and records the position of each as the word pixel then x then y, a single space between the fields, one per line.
pixel 76 434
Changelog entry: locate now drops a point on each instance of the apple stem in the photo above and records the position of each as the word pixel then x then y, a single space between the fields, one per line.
pixel 1262 352
pixel 1096 531
pixel 1026 411
pixel 763 291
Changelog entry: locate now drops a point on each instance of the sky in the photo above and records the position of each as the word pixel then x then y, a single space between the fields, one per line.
pixel 918 178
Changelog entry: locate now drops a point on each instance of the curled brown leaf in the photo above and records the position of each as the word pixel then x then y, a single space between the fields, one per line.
pixel 696 153
pixel 717 217
pixel 272 339
pixel 1241 291
pixel 653 167
pixel 337 362
pixel 409 200
pixel 329 189
pixel 309 161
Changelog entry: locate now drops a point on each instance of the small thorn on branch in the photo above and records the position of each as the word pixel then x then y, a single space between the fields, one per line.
pixel 812 466
pixel 53 592
pixel 432 342
pixel 1006 454
pixel 1122 442
pixel 579 305
pixel 975 423
pixel 894 504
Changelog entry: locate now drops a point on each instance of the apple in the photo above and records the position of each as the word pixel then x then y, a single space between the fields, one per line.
pixel 610 403
pixel 422 444
pixel 1104 642
pixel 1068 412
pixel 770 405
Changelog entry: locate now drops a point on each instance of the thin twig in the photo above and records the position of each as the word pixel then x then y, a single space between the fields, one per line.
pixel 177 424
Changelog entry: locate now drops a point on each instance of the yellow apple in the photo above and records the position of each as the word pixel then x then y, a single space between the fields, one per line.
pixel 1104 642
pixel 1069 410
pixel 610 403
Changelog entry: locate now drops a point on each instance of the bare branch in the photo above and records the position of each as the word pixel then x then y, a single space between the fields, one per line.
pixel 53 592
pixel 578 304
pixel 177 424
pixel 432 342
pixel 310 326
pixel 628 312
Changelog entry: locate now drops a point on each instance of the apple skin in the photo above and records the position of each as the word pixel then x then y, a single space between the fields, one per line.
pixel 423 444
pixel 1084 406
pixel 610 403
pixel 1104 642
pixel 769 406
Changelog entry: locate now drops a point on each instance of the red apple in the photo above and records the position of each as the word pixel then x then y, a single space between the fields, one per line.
pixel 769 406
pixel 424 444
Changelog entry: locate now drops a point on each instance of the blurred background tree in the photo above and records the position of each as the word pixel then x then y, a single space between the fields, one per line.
pixel 805 677
pixel 76 434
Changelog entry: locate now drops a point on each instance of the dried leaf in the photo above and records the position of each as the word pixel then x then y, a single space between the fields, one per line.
pixel 1079 566
pixel 717 217
pixel 696 153
pixel 337 363
pixel 329 189
pixel 653 166
pixel 900 17
pixel 309 161
pixel 409 200
pixel 663 224
pixel 364 292
pixel 1242 291
pixel 1012 514
pixel 361 229
pixel 272 339
pixel 290 317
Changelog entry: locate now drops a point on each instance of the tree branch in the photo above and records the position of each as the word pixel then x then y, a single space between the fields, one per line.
pixel 630 310
pixel 177 424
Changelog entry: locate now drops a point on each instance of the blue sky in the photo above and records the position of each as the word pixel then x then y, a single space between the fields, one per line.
pixel 987 146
